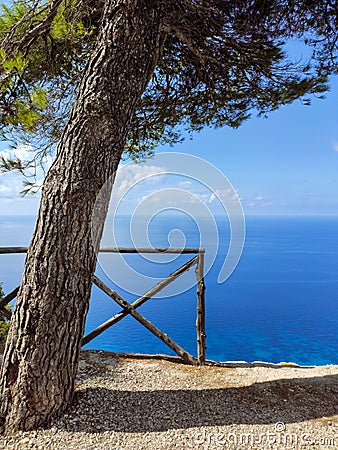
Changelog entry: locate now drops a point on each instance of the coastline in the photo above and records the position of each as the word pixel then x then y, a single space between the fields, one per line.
pixel 129 401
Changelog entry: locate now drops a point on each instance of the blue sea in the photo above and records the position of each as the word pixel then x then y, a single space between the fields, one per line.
pixel 280 303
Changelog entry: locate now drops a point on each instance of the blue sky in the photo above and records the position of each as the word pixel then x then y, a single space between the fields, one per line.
pixel 283 165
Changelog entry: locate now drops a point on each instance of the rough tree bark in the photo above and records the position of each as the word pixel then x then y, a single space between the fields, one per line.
pixel 40 360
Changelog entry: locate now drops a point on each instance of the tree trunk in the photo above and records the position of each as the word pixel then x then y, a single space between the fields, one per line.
pixel 40 360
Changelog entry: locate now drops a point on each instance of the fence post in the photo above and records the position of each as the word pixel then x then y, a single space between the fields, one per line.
pixel 200 321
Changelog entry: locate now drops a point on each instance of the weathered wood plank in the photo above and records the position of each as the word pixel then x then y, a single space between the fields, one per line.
pixel 145 322
pixel 140 301
pixel 9 297
pixel 6 313
pixel 7 250
pixel 200 321
pixel 151 250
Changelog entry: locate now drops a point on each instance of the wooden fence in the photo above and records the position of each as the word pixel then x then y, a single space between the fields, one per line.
pixel 131 308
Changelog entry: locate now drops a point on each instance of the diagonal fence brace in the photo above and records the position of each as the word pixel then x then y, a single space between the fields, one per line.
pixel 4 301
pixel 140 301
pixel 187 357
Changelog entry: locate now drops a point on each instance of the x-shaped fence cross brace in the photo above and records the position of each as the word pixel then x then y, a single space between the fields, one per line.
pixel 131 309
pixel 128 308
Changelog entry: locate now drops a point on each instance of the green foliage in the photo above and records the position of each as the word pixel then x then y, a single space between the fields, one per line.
pixel 220 62
pixel 44 46
pixel 4 323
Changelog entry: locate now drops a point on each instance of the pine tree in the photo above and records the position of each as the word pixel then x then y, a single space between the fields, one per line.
pixel 90 80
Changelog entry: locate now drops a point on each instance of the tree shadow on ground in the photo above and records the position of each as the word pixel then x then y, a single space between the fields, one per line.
pixel 285 400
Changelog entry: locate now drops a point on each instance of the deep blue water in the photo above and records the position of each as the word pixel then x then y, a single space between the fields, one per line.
pixel 280 304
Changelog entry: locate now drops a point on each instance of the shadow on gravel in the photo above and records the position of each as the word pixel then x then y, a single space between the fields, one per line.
pixel 286 400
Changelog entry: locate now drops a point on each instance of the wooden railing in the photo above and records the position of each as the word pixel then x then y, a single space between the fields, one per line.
pixel 131 308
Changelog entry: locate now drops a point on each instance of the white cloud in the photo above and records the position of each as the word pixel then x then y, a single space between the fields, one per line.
pixel 225 196
pixel 130 176
pixel 184 184
pixel 10 185
pixel 13 203
pixel 22 152
pixel 335 146
pixel 259 202
pixel 212 198
pixel 172 197
pixel 5 190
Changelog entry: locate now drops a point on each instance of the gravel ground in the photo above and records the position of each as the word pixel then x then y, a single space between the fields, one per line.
pixel 128 403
